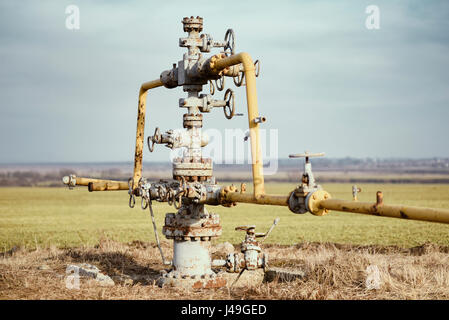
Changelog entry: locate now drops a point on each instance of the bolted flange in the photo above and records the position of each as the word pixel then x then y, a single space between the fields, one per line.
pixel 312 202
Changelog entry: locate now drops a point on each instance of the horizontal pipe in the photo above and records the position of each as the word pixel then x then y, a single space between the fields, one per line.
pixel 267 199
pixel 394 211
pixel 108 186
pixel 95 184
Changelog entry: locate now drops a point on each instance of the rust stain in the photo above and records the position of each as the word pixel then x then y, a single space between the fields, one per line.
pixel 209 284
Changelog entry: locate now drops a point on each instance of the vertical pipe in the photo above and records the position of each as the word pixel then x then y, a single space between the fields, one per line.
pixel 138 154
pixel 253 113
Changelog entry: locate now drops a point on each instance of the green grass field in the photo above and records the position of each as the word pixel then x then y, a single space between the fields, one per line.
pixel 43 217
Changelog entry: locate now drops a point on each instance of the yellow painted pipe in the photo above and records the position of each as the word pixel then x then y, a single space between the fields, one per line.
pixel 267 199
pixel 95 184
pixel 108 186
pixel 138 155
pixel 244 58
pixel 394 211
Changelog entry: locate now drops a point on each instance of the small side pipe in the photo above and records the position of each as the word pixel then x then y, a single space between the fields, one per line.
pixel 138 154
pixel 95 184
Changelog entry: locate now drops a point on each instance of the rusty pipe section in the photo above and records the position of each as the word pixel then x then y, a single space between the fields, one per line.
pixel 141 110
pixel 217 64
pixel 381 209
pixel 230 195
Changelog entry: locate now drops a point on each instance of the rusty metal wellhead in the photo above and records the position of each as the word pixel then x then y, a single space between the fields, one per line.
pixel 193 185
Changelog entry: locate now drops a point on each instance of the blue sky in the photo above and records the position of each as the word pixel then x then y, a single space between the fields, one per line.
pixel 327 82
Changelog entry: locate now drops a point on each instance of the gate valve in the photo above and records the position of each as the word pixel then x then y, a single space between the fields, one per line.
pixel 307 178
pixel 297 198
pixel 252 256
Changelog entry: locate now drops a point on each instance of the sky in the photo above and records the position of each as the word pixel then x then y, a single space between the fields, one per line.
pixel 327 83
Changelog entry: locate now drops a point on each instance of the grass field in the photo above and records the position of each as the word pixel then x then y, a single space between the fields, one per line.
pixel 43 230
pixel 43 217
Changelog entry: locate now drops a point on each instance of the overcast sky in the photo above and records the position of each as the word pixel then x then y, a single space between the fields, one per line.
pixel 327 82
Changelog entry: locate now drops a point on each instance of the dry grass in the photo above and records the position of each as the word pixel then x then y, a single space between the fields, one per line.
pixel 333 272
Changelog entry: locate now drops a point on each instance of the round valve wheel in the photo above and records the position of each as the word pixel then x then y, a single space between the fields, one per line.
pixel 238 80
pixel 257 67
pixel 229 108
pixel 220 83
pixel 230 42
pixel 211 87
pixel 152 139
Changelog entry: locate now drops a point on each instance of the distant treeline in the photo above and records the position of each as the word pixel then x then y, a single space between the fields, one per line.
pixel 345 170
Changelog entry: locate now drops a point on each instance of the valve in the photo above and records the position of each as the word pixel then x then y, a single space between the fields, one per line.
pixel 307 177
pixel 251 256
pixel 229 108
pixel 355 191
pixel 297 198
pixel 156 138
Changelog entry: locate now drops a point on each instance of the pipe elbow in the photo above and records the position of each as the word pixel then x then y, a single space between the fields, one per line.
pixel 246 60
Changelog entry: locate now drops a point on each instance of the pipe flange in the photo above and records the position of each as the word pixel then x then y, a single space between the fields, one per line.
pixel 192 24
pixel 296 204
pixel 192 120
pixel 312 202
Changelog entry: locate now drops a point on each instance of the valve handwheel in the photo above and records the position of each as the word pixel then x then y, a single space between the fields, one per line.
pixel 238 80
pixel 230 42
pixel 152 139
pixel 211 87
pixel 219 83
pixel 257 67
pixel 229 108
pixel 306 155
pixel 250 229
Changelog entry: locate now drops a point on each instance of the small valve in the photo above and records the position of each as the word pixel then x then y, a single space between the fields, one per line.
pixel 355 191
